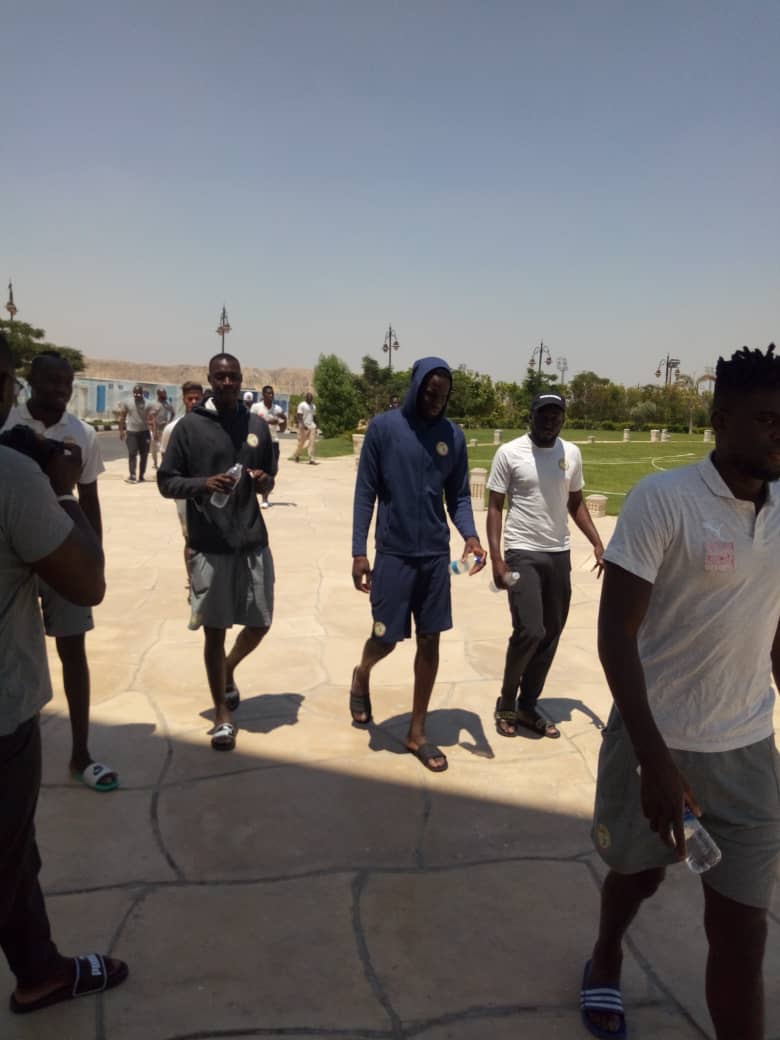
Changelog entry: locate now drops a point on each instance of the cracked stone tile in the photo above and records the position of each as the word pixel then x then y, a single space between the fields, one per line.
pixel 294 819
pixel 272 956
pixel 80 923
pixel 124 734
pixel 649 1023
pixel 445 941
pixel 97 840
pixel 487 812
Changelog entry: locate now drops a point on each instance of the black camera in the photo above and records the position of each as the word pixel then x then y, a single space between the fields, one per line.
pixel 28 442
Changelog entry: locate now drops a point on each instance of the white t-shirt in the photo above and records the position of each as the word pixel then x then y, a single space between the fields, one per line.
pixel 275 411
pixel 537 482
pixel 32 526
pixel 69 429
pixel 181 503
pixel 706 638
pixel 306 413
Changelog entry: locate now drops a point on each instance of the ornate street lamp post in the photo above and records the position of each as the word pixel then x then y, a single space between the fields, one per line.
pixel 390 344
pixel 11 306
pixel 669 365
pixel 223 327
pixel 539 354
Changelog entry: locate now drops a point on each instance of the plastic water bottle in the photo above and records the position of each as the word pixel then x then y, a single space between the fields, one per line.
pixel 701 852
pixel 219 498
pixel 507 582
pixel 465 565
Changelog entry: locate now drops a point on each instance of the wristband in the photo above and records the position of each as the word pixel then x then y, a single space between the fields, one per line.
pixel 67 498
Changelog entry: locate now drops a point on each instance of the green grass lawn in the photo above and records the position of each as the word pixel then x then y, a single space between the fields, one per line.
pixel 612 467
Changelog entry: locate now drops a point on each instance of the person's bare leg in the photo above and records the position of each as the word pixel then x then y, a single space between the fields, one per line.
pixel 373 652
pixel 214 658
pixel 735 986
pixel 621 897
pixel 426 665
pixel 248 639
pixel 75 678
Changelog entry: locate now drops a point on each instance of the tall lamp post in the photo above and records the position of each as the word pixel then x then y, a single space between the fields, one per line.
pixel 224 326
pixel 11 306
pixel 669 365
pixel 538 355
pixel 563 367
pixel 390 344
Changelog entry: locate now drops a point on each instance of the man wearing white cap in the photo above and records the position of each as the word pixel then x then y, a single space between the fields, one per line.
pixel 542 475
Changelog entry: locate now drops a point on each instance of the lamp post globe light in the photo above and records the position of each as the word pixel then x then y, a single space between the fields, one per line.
pixel 390 344
pixel 224 326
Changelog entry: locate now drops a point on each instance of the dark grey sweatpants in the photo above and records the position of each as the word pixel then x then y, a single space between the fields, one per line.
pixel 539 604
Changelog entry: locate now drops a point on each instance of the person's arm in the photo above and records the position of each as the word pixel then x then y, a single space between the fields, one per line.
pixel 76 568
pixel 173 479
pixel 457 495
pixel 776 658
pixel 264 476
pixel 366 491
pixel 582 518
pixel 90 506
pixel 122 422
pixel 624 602
pixel 282 421
pixel 495 522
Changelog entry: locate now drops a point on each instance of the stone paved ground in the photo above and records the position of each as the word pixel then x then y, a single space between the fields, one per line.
pixel 318 882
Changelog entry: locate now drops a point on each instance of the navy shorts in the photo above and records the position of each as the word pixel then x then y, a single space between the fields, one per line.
pixel 403 587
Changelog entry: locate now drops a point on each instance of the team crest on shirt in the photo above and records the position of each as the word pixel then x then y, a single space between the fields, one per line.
pixel 442 448
pixel 603 837
pixel 379 628
pixel 252 440
pixel 563 463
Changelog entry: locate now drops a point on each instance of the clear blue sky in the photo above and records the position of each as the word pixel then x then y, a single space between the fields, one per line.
pixel 603 175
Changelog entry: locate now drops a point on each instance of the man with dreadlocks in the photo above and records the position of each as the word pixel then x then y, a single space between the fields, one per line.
pixel 689 641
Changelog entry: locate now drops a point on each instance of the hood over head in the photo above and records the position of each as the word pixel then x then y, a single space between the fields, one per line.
pixel 421 369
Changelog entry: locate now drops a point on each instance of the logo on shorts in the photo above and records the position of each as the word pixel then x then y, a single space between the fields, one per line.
pixel 442 449
pixel 252 440
pixel 603 837
pixel 379 628
pixel 563 464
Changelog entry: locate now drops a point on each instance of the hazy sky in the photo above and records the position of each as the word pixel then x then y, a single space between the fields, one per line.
pixel 601 175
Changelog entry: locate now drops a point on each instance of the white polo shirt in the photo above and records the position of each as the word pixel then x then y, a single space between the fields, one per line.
pixel 537 482
pixel 306 413
pixel 69 429
pixel 706 639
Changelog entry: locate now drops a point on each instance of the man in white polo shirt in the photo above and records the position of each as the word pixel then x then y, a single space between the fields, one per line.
pixel 542 476
pixel 689 638
pixel 51 383
pixel 276 418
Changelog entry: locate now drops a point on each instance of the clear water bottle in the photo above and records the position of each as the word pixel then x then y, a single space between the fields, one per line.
pixel 507 582
pixel 701 852
pixel 219 498
pixel 464 566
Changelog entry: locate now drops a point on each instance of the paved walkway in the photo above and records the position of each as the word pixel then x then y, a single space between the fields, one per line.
pixel 318 882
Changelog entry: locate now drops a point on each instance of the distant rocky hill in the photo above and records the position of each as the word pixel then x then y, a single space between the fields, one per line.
pixel 284 380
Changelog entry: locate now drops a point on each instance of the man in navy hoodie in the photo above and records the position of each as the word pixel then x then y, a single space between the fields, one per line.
pixel 230 564
pixel 413 461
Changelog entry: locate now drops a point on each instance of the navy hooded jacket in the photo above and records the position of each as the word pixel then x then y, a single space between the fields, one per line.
pixel 412 466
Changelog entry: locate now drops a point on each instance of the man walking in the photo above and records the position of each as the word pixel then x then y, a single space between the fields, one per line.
pixel 306 414
pixel 135 424
pixel 542 475
pixel 276 418
pixel 51 383
pixel 191 394
pixel 43 531
pixel 413 461
pixel 160 414
pixel 689 637
pixel 230 564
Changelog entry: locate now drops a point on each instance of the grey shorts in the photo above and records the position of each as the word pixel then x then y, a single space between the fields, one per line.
pixel 61 618
pixel 739 793
pixel 232 589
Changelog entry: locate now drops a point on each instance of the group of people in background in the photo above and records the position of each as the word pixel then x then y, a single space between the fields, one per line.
pixel 688 634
